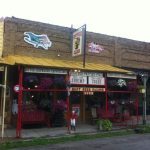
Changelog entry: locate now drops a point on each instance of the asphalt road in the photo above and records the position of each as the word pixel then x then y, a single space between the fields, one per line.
pixel 131 142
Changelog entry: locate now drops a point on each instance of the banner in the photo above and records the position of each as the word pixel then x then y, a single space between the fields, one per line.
pixel 78 41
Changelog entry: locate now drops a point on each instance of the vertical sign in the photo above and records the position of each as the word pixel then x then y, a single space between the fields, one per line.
pixel 78 41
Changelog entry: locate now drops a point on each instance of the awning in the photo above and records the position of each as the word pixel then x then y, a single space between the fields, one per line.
pixel 4 61
pixel 48 62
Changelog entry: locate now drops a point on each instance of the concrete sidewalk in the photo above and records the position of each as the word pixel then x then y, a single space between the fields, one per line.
pixel 48 132
pixel 54 132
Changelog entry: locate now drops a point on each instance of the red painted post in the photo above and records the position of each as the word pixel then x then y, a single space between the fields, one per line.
pixel 19 125
pixel 68 95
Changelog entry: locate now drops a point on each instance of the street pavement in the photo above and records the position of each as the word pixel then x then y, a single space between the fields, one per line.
pixel 130 142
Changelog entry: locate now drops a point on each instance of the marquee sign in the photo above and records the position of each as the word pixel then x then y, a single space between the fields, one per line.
pixel 91 78
pixel 120 75
pixel 92 74
pixel 45 70
pixel 87 89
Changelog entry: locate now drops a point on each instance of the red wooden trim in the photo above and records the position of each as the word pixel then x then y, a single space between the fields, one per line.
pixel 46 90
pixel 19 125
pixel 53 90
pixel 122 91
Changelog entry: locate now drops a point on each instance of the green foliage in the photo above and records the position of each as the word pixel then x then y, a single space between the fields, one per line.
pixel 142 129
pixel 105 124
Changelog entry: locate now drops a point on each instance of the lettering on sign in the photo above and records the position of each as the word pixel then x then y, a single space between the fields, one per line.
pixel 87 89
pixel 120 75
pixel 91 74
pixel 78 80
pixel 96 81
pixel 45 70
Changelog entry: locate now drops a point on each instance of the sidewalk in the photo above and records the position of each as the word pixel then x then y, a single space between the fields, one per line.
pixel 53 132
pixel 48 132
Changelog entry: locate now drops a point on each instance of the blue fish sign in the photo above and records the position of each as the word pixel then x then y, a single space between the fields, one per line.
pixel 37 40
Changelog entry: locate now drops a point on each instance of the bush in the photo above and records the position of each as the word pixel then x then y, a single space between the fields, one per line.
pixel 105 124
pixel 142 129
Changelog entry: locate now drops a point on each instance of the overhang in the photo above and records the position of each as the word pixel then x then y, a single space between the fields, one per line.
pixel 55 63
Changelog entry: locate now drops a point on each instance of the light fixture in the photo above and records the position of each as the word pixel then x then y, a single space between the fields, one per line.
pixel 35 86
pixel 76 70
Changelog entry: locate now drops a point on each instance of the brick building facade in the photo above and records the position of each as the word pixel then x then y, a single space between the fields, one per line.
pixel 116 51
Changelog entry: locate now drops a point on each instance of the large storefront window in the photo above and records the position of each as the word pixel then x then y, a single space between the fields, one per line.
pixel 122 94
pixel 44 94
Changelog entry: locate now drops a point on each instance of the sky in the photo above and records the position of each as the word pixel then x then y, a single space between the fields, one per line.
pixel 123 18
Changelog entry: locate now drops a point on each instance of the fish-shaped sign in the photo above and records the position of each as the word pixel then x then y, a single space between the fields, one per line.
pixel 37 40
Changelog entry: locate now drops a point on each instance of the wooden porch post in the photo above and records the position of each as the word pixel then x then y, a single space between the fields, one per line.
pixel 19 124
pixel 68 103
pixel 4 101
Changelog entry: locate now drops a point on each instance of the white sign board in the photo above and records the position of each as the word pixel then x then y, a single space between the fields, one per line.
pixel 120 75
pixel 78 80
pixel 96 81
pixel 91 74
pixel 78 41
pixel 45 70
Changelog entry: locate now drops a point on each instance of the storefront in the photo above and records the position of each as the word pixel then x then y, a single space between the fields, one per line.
pixel 47 82
pixel 47 95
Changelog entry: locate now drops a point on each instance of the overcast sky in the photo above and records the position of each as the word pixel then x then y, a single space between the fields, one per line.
pixel 123 18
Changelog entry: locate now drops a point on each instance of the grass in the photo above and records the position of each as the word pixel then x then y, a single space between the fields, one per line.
pixel 143 129
pixel 75 137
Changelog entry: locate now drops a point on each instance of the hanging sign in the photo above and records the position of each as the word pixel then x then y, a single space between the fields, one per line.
pixel 37 40
pixel 96 81
pixel 78 41
pixel 78 80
